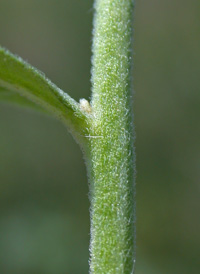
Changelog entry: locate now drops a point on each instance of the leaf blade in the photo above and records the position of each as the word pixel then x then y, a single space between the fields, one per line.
pixel 12 98
pixel 22 80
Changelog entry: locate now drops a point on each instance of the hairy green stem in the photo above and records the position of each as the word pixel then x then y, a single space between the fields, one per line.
pixel 103 129
pixel 111 156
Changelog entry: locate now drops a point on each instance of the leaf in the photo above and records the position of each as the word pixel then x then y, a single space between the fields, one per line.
pixel 24 85
pixel 13 98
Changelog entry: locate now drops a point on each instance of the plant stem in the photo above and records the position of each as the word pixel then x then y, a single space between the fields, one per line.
pixel 111 152
pixel 103 129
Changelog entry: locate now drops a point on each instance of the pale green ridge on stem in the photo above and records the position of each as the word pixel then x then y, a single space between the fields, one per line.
pixel 22 84
pixel 111 165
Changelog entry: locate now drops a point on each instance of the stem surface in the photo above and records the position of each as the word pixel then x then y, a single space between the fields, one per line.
pixel 111 151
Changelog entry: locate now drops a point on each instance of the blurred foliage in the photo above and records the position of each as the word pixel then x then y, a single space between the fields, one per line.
pixel 44 207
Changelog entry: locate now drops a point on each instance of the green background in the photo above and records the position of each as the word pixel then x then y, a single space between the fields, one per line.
pixel 44 207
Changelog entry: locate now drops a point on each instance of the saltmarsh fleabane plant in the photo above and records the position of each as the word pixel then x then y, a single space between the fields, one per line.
pixel 103 128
